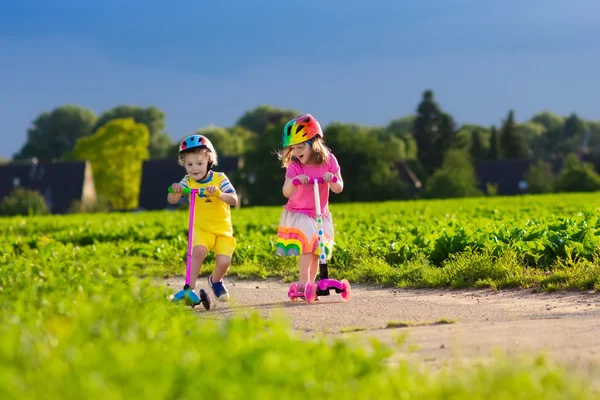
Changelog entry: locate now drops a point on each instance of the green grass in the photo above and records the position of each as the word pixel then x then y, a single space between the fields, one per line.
pixel 80 316
pixel 549 242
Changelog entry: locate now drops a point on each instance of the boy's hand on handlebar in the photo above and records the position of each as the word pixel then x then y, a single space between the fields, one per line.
pixel 177 187
pixel 213 190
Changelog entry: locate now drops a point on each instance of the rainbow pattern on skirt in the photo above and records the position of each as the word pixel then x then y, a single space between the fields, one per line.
pixel 292 242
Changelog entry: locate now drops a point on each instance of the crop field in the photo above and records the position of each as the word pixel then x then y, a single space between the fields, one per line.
pixel 82 315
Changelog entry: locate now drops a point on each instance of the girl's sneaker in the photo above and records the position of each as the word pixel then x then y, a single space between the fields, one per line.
pixel 219 290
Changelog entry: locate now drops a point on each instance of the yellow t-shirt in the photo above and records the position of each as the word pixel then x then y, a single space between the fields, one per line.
pixel 211 214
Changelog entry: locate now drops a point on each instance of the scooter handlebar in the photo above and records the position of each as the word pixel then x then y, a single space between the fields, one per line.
pixel 297 182
pixel 189 191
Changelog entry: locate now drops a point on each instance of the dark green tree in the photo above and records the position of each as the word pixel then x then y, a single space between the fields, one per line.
pixel 54 134
pixel 512 143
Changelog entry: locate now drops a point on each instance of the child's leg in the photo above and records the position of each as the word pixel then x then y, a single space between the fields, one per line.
pixel 314 267
pixel 222 263
pixel 198 256
pixel 305 262
pixel 224 247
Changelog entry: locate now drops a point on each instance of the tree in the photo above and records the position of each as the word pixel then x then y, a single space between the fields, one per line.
pixel 433 132
pixel 455 178
pixel 511 142
pixel 229 141
pixel 53 134
pixel 258 119
pixel 551 121
pixel 116 152
pixel 160 143
pixel 494 153
pixel 401 127
pixel 477 149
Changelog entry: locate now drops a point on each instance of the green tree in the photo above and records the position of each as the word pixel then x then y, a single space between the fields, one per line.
pixel 512 143
pixel 540 178
pixel 494 153
pixel 434 132
pixel 455 178
pixel 229 141
pixel 53 134
pixel 369 167
pixel 549 120
pixel 401 127
pixel 477 149
pixel 116 152
pixel 259 119
pixel 160 144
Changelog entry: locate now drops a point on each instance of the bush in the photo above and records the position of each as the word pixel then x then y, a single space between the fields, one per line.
pixel 455 178
pixel 23 201
pixel 577 176
pixel 540 178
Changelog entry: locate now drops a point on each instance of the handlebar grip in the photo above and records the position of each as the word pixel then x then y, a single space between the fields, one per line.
pixel 297 182
pixel 185 190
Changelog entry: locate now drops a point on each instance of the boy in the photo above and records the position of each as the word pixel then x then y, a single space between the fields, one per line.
pixel 212 225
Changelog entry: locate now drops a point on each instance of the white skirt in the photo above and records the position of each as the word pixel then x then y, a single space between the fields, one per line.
pixel 299 234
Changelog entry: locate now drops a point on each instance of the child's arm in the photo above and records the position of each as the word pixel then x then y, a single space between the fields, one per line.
pixel 288 188
pixel 173 198
pixel 338 186
pixel 229 198
pixel 225 192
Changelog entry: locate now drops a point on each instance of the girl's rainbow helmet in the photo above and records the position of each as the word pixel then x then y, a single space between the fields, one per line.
pixel 301 129
pixel 195 141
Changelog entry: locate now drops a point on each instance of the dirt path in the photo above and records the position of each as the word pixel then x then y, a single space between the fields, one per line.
pixel 565 325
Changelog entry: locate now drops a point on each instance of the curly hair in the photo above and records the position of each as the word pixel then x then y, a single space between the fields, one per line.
pixel 319 153
pixel 212 157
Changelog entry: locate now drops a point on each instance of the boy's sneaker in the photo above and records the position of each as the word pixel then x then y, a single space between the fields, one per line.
pixel 219 290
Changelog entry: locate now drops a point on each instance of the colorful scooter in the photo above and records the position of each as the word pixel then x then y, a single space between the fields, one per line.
pixel 324 283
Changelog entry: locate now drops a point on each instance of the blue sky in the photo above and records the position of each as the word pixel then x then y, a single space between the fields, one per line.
pixel 364 62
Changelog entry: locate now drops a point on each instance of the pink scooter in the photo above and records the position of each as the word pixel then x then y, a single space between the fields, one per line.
pixel 324 284
pixel 187 294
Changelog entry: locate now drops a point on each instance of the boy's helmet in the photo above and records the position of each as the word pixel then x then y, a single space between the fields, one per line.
pixel 195 142
pixel 301 129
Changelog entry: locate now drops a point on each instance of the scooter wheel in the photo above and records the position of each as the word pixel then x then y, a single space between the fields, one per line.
pixel 204 299
pixel 310 292
pixel 346 292
pixel 293 290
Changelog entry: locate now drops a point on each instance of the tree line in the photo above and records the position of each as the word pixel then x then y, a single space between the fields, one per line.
pixel 441 153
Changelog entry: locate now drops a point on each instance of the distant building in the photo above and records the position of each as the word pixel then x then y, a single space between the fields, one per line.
pixel 509 175
pixel 60 184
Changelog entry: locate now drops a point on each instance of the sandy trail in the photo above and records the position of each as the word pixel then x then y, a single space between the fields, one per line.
pixel 565 325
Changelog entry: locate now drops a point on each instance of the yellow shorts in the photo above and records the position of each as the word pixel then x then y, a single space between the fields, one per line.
pixel 220 244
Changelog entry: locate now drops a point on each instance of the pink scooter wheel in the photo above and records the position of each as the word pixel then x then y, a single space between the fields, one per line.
pixel 346 293
pixel 310 292
pixel 293 292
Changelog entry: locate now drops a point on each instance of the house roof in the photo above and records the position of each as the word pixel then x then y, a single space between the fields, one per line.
pixel 59 183
pixel 159 174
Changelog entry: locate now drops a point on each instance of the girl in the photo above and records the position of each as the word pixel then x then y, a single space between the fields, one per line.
pixel 305 156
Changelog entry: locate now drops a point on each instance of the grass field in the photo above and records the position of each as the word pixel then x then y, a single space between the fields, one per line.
pixel 80 318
